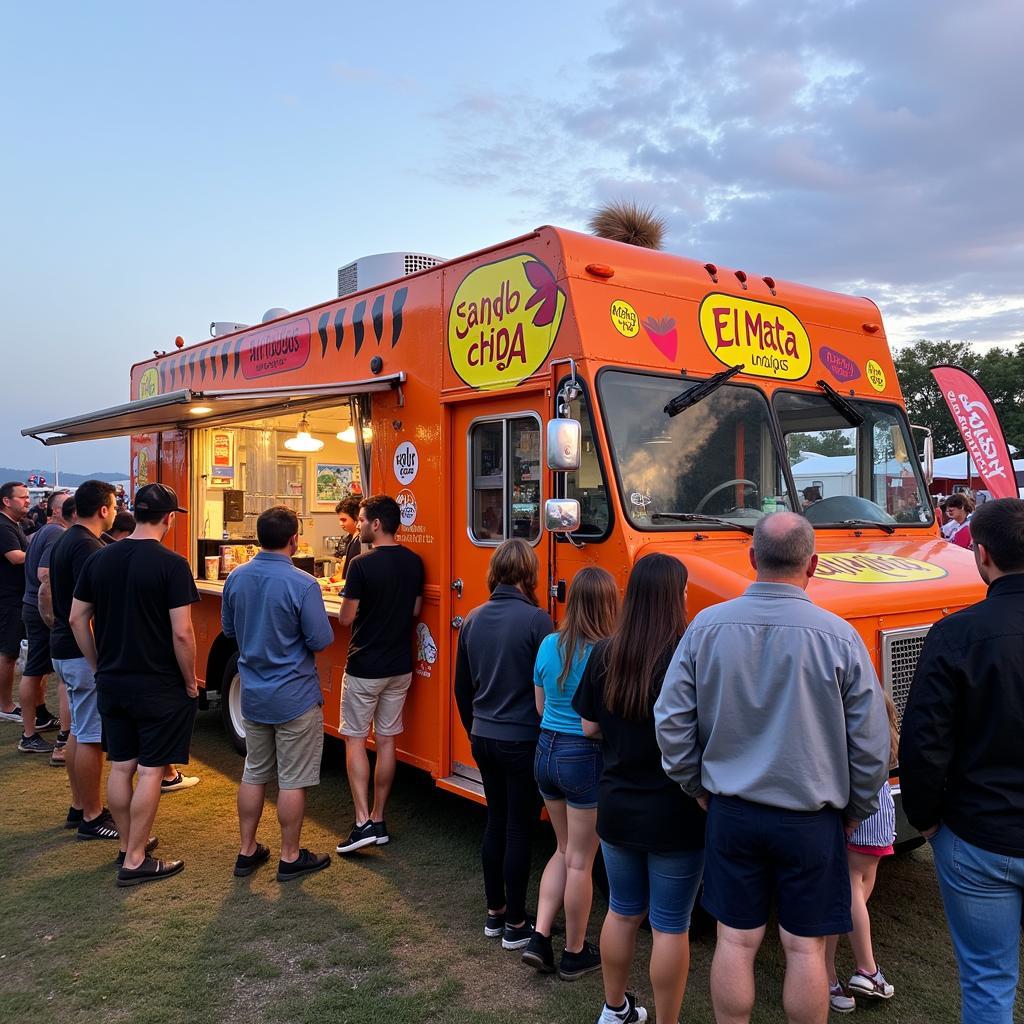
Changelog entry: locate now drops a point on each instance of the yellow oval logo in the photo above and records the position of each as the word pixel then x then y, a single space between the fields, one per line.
pixel 769 340
pixel 503 322
pixel 871 567
pixel 876 375
pixel 624 317
pixel 149 383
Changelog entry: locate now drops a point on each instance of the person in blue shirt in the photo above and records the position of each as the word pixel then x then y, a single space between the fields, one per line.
pixel 275 612
pixel 567 767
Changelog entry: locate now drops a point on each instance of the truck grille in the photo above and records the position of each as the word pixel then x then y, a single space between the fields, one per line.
pixel 900 650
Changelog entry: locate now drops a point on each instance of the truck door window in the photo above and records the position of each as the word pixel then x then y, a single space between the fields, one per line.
pixel 505 475
pixel 844 472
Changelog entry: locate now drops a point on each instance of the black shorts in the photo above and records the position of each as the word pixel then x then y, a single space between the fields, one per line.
pixel 757 855
pixel 38 662
pixel 154 733
pixel 11 631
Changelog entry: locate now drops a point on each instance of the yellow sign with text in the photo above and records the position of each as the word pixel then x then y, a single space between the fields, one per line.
pixel 503 322
pixel 869 567
pixel 624 317
pixel 768 339
pixel 875 375
pixel 149 383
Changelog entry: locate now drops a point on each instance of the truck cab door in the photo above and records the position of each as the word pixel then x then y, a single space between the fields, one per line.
pixel 497 481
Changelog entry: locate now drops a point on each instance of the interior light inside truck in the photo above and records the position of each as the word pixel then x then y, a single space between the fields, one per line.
pixel 303 441
pixel 200 410
pixel 348 435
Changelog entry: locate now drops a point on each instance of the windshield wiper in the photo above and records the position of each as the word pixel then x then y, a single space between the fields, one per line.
pixel 840 404
pixel 691 396
pixel 863 522
pixel 697 517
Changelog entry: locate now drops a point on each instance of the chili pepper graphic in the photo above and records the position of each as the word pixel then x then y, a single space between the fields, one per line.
pixel 378 318
pixel 339 328
pixel 213 361
pixel 397 305
pixel 322 330
pixel 358 328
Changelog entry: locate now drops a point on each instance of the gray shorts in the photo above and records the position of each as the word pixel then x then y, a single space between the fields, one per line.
pixel 289 752
pixel 373 701
pixel 80 683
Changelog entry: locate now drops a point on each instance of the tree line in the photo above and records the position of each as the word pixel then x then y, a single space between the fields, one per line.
pixel 1000 371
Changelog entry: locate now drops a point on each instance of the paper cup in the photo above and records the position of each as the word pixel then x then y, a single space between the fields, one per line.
pixel 212 567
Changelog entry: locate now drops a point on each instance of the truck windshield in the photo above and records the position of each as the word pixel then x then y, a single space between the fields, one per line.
pixel 715 458
pixel 846 473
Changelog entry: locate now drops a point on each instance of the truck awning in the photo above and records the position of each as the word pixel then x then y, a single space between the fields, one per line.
pixel 179 410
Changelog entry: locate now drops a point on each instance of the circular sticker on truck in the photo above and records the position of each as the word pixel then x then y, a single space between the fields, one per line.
pixel 407 506
pixel 406 462
pixel 871 567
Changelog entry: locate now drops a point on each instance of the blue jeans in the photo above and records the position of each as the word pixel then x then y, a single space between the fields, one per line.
pixel 982 893
pixel 568 768
pixel 662 885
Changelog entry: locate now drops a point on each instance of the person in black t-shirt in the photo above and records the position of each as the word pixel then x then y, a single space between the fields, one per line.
pixel 14 502
pixel 347 511
pixel 382 598
pixel 132 619
pixel 652 833
pixel 83 755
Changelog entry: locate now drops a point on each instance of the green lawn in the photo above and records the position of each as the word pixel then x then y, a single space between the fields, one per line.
pixel 395 934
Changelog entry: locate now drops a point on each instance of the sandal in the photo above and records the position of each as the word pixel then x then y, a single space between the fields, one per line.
pixel 150 870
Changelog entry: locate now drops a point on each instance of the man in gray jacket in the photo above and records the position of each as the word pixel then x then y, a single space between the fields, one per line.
pixel 772 717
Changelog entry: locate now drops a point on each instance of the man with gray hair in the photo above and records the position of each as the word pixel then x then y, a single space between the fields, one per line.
pixel 772 717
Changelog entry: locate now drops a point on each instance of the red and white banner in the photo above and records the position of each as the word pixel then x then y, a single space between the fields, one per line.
pixel 976 419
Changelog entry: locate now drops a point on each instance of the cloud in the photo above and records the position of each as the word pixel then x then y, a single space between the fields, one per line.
pixel 832 142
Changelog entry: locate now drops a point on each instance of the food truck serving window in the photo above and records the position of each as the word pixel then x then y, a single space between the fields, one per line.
pixel 504 479
pixel 716 458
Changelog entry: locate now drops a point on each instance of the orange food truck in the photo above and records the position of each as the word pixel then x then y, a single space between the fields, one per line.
pixel 599 400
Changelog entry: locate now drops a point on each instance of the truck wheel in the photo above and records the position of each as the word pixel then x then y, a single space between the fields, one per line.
pixel 231 704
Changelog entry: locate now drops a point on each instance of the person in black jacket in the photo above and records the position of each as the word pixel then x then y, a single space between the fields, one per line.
pixel 961 769
pixel 494 692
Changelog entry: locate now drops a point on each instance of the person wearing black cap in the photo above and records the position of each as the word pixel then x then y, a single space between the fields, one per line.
pixel 132 618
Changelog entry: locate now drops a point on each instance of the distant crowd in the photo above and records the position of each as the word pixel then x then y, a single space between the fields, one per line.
pixel 744 754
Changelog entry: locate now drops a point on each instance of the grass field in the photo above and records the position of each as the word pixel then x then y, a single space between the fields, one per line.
pixel 392 935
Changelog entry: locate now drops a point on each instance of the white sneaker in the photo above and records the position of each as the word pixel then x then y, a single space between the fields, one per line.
pixel 178 782
pixel 630 1014
pixel 839 1001
pixel 872 986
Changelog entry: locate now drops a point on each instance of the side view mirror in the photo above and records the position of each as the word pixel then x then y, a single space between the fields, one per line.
pixel 564 444
pixel 561 515
pixel 928 455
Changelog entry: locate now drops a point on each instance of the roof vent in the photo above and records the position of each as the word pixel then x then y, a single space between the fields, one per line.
pixel 221 327
pixel 274 313
pixel 370 271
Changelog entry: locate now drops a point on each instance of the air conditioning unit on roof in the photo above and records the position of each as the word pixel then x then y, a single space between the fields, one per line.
pixel 370 271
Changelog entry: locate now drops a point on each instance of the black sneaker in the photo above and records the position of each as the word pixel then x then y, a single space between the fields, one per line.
pixel 247 864
pixel 101 827
pixel 14 715
pixel 304 864
pixel 74 818
pixel 380 830
pixel 34 744
pixel 150 847
pixel 516 938
pixel 360 836
pixel 575 965
pixel 495 926
pixel 45 719
pixel 539 954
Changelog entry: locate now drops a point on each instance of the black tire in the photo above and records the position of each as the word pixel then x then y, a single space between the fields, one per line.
pixel 231 705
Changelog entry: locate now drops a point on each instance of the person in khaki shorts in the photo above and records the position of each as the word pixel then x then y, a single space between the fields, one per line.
pixel 275 612
pixel 382 598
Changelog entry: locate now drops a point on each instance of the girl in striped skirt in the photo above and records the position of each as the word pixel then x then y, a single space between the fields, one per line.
pixel 871 841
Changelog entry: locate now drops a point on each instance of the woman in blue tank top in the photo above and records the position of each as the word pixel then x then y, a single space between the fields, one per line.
pixel 567 767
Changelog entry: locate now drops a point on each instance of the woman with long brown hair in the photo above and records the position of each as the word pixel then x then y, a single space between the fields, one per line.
pixel 567 768
pixel 652 834
pixel 498 645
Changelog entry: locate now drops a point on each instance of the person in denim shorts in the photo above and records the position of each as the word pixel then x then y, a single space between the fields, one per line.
pixel 652 833
pixel 567 767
